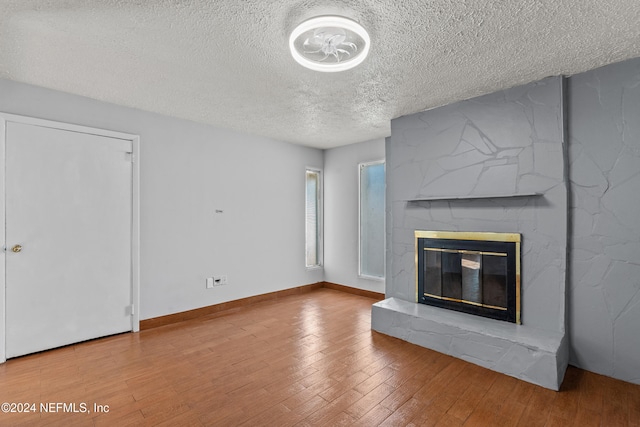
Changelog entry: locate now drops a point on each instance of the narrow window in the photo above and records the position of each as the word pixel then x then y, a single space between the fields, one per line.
pixel 372 221
pixel 313 218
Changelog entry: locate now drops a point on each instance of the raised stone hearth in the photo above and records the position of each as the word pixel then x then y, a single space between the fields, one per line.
pixel 532 355
pixel 491 164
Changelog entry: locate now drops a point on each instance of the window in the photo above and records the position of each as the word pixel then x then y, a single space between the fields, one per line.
pixel 313 218
pixel 372 212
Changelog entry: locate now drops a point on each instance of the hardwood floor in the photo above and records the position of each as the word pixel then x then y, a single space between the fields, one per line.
pixel 304 360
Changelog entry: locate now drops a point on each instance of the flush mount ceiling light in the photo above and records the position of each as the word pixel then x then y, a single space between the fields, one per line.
pixel 329 43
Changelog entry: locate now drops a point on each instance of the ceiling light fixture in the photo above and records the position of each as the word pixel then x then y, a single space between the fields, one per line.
pixel 329 43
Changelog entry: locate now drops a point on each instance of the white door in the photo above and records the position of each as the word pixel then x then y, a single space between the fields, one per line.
pixel 68 237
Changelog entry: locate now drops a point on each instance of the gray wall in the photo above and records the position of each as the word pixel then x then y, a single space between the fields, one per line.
pixel 187 171
pixel 604 150
pixel 341 213
pixel 510 144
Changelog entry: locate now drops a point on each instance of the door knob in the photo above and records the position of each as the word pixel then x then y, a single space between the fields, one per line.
pixel 16 248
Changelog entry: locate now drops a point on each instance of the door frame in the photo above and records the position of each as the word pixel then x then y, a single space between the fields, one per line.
pixel 135 207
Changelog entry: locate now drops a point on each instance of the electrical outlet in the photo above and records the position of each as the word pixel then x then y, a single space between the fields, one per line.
pixel 210 282
pixel 219 280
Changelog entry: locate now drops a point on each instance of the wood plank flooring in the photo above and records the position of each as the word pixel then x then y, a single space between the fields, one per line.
pixel 303 360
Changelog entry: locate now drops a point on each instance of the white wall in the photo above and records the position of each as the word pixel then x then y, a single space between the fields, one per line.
pixel 189 170
pixel 341 213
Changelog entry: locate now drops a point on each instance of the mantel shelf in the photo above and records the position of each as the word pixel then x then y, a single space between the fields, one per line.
pixel 473 197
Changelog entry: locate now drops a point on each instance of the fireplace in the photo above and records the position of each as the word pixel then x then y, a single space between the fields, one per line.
pixel 475 273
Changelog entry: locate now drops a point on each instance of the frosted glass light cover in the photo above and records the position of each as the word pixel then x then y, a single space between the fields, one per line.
pixel 329 43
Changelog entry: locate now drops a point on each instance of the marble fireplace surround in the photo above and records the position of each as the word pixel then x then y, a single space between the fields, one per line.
pixel 491 164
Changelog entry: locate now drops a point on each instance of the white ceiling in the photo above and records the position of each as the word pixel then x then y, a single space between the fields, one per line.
pixel 227 63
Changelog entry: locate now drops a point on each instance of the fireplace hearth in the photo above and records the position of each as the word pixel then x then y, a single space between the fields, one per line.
pixel 475 273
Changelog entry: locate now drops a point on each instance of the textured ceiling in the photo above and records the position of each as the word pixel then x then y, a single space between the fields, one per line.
pixel 227 63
